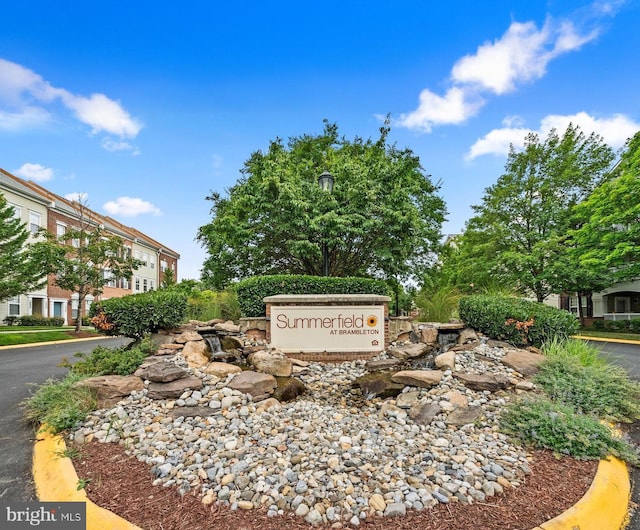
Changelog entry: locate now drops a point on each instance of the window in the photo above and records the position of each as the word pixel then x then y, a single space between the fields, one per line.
pixel 145 286
pixel 152 261
pixel 145 259
pixel 124 284
pixel 111 279
pixel 61 230
pixel 17 211
pixel 14 306
pixel 163 265
pixel 35 222
pixel 137 280
pixel 151 285
pixel 74 309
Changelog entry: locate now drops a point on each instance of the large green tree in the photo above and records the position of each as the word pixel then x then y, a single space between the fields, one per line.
pixel 608 232
pixel 383 218
pixel 517 232
pixel 23 265
pixel 87 258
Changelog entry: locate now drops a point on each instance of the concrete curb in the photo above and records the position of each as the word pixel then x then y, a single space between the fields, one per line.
pixel 52 342
pixel 56 481
pixel 603 507
pixel 604 339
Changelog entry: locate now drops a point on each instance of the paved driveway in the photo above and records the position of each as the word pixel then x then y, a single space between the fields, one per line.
pixel 20 369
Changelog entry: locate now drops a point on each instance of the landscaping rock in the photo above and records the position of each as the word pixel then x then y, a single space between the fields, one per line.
pixel 464 415
pixel 289 390
pixel 523 361
pixel 419 378
pixel 409 351
pixel 467 335
pixel 258 385
pixel 161 372
pixel 188 336
pixel 274 363
pixel 489 382
pixel 227 327
pixel 221 370
pixel 378 385
pixel 429 335
pixel 446 361
pixel 196 353
pixel 173 389
pixel 110 389
pixel 423 412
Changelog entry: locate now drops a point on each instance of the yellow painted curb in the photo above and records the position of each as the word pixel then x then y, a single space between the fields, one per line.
pixel 51 342
pixel 603 507
pixel 604 339
pixel 56 481
pixel 605 504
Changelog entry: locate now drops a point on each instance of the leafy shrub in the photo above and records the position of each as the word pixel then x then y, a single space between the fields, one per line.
pixel 107 361
pixel 10 320
pixel 39 320
pixel 207 305
pixel 634 325
pixel 252 291
pixel 599 325
pixel 138 314
pixel 545 424
pixel 601 390
pixel 620 326
pixel 438 303
pixel 518 321
pixel 60 404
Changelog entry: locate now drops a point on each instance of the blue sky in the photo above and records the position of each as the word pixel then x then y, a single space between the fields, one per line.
pixel 145 107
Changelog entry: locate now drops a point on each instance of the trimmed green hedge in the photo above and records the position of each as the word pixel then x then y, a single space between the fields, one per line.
pixel 138 314
pixel 517 321
pixel 36 320
pixel 252 291
pixel 621 326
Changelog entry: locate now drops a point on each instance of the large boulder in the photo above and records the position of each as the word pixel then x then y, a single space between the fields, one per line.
pixel 429 335
pixel 289 389
pixel 196 353
pixel 446 361
pixel 173 389
pixel 227 327
pixel 522 361
pixel 258 385
pixel 378 385
pixel 489 382
pixel 464 415
pixel 410 351
pixel 419 378
pixel 188 336
pixel 274 363
pixel 110 389
pixel 467 335
pixel 161 372
pixel 221 370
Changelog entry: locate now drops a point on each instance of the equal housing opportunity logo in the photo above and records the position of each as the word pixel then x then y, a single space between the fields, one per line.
pixel 44 515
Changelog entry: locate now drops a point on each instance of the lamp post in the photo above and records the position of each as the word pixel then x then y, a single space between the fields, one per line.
pixel 325 181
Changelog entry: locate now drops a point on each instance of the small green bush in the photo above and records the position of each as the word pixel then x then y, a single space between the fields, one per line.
pixel 634 325
pixel 542 423
pixel 10 320
pixel 60 404
pixel 39 320
pixel 518 321
pixel 107 361
pixel 139 314
pixel 621 326
pixel 599 325
pixel 252 291
pixel 600 390
pixel 207 305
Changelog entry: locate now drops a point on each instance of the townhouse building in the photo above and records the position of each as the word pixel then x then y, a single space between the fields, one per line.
pixel 39 208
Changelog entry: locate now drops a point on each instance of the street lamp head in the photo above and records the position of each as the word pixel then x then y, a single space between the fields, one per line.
pixel 325 181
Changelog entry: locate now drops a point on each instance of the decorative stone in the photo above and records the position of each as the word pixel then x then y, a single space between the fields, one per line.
pixel 467 335
pixel 423 412
pixel 395 509
pixel 110 389
pixel 378 385
pixel 274 363
pixel 522 361
pixel 419 378
pixel 409 351
pixel 161 372
pixel 196 353
pixel 382 364
pixel 227 327
pixel 377 502
pixel 429 335
pixel 464 416
pixel 173 389
pixel 489 382
pixel 407 399
pixel 221 370
pixel 188 336
pixel 289 390
pixel 446 361
pixel 259 385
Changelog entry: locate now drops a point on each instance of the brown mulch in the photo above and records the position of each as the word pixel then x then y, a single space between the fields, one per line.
pixel 123 485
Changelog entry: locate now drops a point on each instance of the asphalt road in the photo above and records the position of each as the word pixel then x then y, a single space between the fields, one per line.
pixel 625 355
pixel 20 370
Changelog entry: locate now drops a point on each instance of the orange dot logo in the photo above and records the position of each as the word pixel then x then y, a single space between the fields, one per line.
pixel 372 321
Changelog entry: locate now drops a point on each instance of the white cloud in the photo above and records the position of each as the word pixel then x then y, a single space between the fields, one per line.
pixel 23 95
pixel 520 55
pixel 615 131
pixel 36 172
pixel 119 145
pixel 217 161
pixel 77 196
pixel 455 107
pixel 130 207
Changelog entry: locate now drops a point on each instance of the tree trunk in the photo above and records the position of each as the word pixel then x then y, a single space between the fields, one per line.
pixel 580 315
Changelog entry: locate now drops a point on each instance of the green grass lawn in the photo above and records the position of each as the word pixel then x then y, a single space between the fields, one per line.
pixel 608 335
pixel 19 337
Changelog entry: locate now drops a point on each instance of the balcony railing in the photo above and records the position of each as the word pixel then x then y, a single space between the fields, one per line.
pixel 621 316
